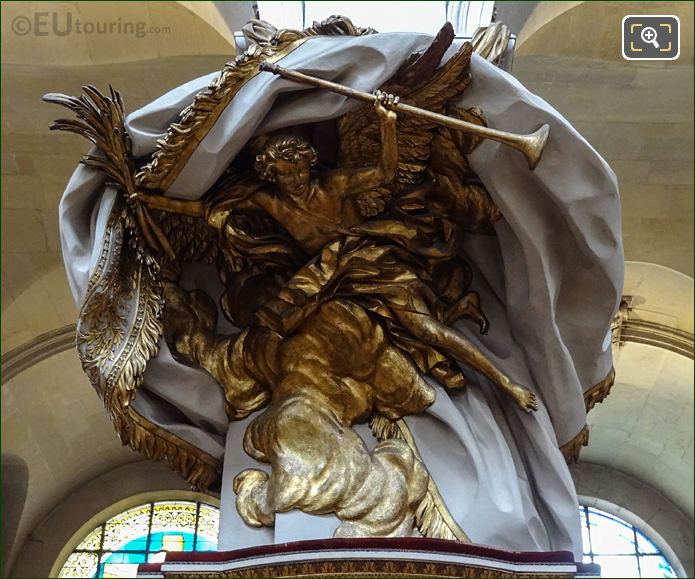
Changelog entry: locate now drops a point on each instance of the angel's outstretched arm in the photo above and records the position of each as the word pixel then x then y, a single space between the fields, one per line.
pixel 181 206
pixel 352 182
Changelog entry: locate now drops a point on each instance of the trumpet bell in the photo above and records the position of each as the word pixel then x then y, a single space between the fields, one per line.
pixel 534 145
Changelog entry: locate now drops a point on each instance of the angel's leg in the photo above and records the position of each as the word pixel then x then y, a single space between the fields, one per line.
pixel 428 329
pixel 467 307
pixel 190 319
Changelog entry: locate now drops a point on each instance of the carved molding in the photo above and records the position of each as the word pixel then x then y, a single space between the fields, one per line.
pixel 369 557
pixel 627 326
pixel 362 569
pixel 34 351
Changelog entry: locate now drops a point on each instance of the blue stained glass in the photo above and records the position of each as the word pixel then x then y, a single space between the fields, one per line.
pixel 656 566
pixel 159 542
pixel 619 548
pixel 144 534
pixel 206 544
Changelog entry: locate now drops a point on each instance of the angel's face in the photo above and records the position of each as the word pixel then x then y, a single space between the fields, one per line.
pixel 292 178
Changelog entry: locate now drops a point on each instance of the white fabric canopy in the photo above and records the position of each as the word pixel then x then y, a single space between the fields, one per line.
pixel 550 281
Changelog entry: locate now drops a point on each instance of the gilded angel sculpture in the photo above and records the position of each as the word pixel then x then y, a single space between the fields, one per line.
pixel 286 272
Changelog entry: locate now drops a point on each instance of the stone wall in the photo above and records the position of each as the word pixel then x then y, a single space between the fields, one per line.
pixel 640 118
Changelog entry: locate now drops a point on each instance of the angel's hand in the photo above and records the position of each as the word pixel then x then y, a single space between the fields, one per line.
pixel 384 105
pixel 155 201
pixel 137 195
pixel 151 200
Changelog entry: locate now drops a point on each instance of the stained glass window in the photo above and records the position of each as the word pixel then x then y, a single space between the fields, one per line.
pixel 620 548
pixel 144 534
pixel 147 532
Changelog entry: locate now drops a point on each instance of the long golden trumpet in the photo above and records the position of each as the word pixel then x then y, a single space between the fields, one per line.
pixel 530 145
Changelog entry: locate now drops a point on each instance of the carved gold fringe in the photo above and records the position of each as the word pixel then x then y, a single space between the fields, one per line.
pixel 119 325
pixel 598 393
pixel 432 517
pixel 142 344
pixel 117 380
pixel 201 470
pixel 182 138
pixel 592 396
pixel 572 449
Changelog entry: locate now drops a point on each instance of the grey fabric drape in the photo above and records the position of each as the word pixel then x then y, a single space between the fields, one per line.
pixel 550 280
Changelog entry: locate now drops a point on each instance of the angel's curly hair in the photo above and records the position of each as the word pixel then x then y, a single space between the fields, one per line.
pixel 287 147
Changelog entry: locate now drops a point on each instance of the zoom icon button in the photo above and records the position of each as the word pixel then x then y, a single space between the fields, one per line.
pixel 651 37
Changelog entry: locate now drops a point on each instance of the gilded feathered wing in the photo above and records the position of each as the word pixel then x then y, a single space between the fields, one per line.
pixel 420 82
pixel 426 150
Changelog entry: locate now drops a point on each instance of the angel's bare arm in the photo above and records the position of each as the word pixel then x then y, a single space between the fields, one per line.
pixel 352 182
pixel 181 206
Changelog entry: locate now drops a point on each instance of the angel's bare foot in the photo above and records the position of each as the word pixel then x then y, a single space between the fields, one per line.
pixel 468 307
pixel 523 397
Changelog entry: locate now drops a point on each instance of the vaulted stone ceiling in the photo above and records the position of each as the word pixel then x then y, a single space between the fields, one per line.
pixel 188 39
pixel 638 115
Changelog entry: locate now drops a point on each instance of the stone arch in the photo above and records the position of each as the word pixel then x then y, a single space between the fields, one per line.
pixel 15 484
pixel 644 428
pixel 55 423
pixel 641 505
pixel 61 528
pixel 118 507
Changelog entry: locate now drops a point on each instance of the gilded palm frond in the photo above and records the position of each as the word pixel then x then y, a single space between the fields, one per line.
pixel 101 120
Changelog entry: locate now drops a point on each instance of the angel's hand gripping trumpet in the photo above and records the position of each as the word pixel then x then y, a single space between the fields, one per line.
pixel 531 145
